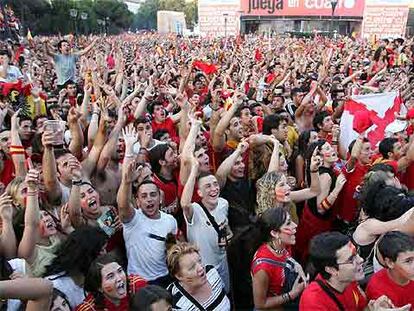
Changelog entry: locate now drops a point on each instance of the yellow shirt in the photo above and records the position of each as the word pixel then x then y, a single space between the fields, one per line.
pixel 31 105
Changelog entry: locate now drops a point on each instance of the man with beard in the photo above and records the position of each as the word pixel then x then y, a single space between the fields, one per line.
pixel 164 162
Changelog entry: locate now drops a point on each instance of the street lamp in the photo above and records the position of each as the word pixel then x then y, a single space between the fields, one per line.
pixel 106 24
pixel 225 24
pixel 84 17
pixel 74 14
pixel 333 4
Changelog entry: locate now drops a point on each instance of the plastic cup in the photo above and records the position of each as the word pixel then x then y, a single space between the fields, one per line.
pixel 58 127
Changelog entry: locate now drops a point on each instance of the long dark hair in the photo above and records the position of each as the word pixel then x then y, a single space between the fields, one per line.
pixel 385 203
pixel 76 254
pixel 242 248
pixel 93 280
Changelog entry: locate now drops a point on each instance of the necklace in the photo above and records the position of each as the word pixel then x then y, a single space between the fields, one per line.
pixel 277 251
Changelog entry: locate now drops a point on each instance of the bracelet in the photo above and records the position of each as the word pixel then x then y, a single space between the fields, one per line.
pixel 95 112
pixel 129 156
pixel 335 142
pixel 77 182
pixel 290 298
pixel 32 193
pixel 315 171
pixel 325 204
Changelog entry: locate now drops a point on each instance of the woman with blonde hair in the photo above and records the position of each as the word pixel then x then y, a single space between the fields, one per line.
pixel 273 189
pixel 196 287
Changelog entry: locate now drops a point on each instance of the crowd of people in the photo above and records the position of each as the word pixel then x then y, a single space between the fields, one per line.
pixel 158 172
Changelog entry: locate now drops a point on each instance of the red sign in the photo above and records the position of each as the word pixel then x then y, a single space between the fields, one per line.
pixel 302 7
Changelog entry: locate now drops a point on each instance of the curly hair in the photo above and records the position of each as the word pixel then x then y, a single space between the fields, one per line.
pixel 266 191
pixel 76 254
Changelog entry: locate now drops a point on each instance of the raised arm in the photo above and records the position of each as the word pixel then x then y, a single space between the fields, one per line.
pixel 110 145
pixel 17 150
pixel 46 48
pixel 219 137
pixel 88 48
pixel 326 199
pixel 74 204
pixel 130 173
pixel 76 143
pixel 89 164
pixel 274 160
pixel 188 190
pixel 30 237
pixel 188 149
pixel 315 188
pixel 142 105
pixel 52 186
pixel 225 167
pixel 8 243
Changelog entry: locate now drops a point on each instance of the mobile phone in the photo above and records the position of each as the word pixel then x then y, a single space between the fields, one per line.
pixel 107 222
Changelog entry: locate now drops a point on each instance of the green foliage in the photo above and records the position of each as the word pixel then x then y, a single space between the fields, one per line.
pixel 146 18
pixel 45 17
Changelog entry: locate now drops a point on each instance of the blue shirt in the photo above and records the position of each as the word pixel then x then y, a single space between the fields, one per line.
pixel 65 67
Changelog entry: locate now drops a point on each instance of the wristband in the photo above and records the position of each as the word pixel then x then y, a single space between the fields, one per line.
pixel 335 142
pixel 315 171
pixel 290 298
pixel 129 156
pixel 325 204
pixel 32 193
pixel 77 182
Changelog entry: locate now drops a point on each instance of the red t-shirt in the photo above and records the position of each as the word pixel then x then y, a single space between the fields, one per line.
pixel 168 125
pixel 135 283
pixel 275 273
pixel 347 205
pixel 314 298
pixel 381 284
pixel 8 173
pixel 169 187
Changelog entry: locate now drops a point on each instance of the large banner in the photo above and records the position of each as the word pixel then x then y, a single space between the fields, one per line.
pixel 219 17
pixel 385 20
pixel 369 114
pixel 301 7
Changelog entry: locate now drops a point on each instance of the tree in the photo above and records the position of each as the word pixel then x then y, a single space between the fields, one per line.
pixel 52 16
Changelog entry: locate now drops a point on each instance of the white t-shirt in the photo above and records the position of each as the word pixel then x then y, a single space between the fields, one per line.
pixel 202 233
pixel 66 285
pixel 145 244
pixel 13 74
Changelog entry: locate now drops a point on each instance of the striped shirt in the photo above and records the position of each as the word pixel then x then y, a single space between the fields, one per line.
pixel 218 300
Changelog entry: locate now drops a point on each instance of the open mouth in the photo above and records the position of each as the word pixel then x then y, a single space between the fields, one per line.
pixel 50 225
pixel 92 204
pixel 214 194
pixel 121 288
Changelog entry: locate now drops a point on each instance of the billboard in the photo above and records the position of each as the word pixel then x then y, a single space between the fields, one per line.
pixel 219 17
pixel 354 8
pixel 170 22
pixel 385 20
